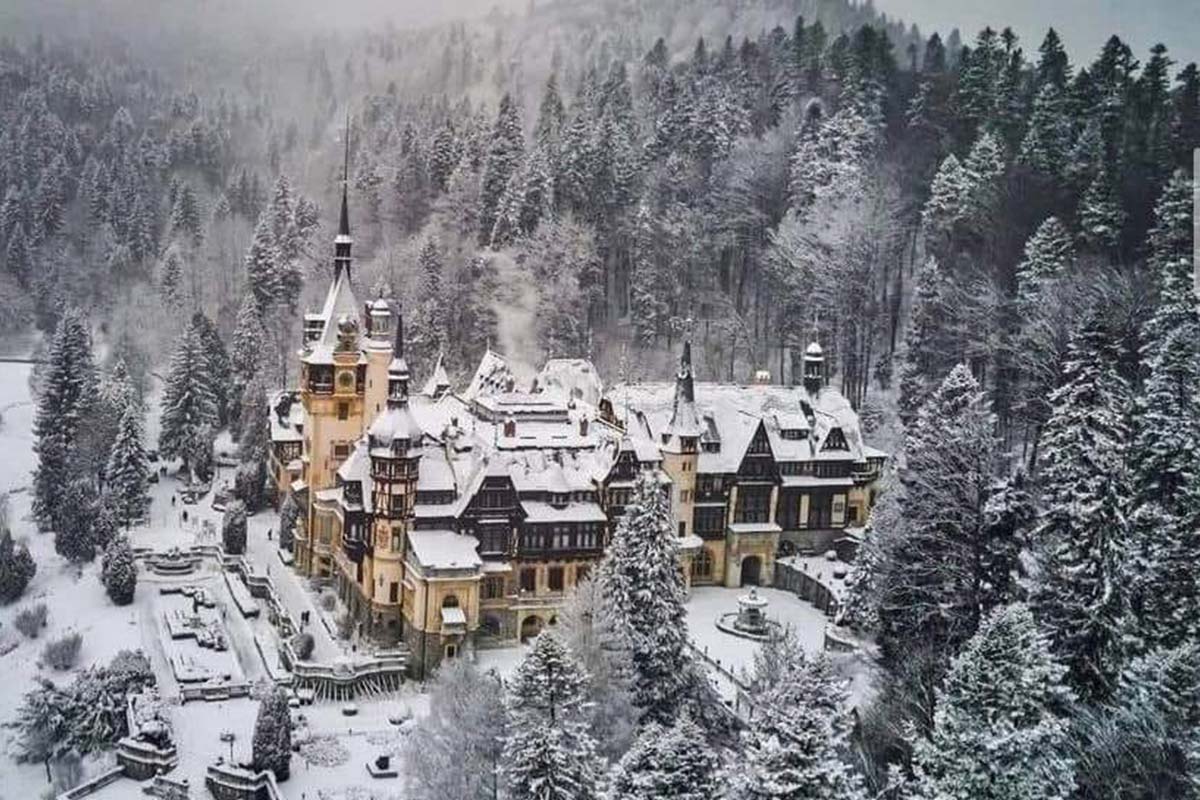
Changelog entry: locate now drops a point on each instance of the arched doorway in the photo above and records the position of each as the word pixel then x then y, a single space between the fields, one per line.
pixel 751 571
pixel 531 626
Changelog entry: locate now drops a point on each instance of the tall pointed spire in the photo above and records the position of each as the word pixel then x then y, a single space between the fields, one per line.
pixel 343 243
pixel 685 422
pixel 398 375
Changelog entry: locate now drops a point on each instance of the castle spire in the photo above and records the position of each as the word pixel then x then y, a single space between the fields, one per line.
pixel 343 243
pixel 685 422
pixel 398 375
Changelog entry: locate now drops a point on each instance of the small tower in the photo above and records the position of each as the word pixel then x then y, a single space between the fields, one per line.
pixel 814 369
pixel 343 243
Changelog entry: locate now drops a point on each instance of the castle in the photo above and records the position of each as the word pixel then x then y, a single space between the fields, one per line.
pixel 453 519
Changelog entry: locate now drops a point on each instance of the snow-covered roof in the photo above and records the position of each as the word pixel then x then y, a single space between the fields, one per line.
pixel 574 377
pixel 439 382
pixel 538 512
pixel 492 375
pixel 439 549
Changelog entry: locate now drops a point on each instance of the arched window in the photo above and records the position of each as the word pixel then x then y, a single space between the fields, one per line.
pixel 450 601
pixel 702 565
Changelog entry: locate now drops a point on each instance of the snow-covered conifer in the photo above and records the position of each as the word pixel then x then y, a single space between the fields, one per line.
pixel 643 582
pixel 504 156
pixel 128 470
pixel 119 571
pixel 1000 731
pixel 189 407
pixel 1081 597
pixel 272 742
pixel 549 753
pixel 17 566
pixel 674 763
pixel 233 529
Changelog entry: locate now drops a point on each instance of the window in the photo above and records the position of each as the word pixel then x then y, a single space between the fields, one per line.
pixel 702 565
pixel 788 512
pixel 343 410
pixel 493 540
pixel 493 588
pixel 393 592
pixel 341 451
pixel 710 520
pixel 852 515
pixel 555 579
pixel 450 601
pixel 395 542
pixel 528 579
pixel 682 529
pixel 754 504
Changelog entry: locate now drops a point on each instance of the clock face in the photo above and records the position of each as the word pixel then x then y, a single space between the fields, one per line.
pixel 345 380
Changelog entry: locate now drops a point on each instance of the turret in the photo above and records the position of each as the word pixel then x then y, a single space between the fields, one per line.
pixel 683 432
pixel 814 369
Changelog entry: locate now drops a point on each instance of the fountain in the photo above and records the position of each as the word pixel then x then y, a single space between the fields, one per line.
pixel 751 617
pixel 750 620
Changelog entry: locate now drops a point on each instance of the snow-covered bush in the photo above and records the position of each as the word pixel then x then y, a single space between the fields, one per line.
pixel 233 529
pixel 304 644
pixel 62 653
pixel 31 620
pixel 119 571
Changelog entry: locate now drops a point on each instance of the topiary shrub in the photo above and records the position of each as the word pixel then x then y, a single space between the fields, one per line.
pixel 31 620
pixel 62 654
pixel 272 743
pixel 289 512
pixel 119 571
pixel 233 529
pixel 304 644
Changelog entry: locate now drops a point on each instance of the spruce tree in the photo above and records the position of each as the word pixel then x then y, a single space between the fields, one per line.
pixel 1081 595
pixel 217 369
pixel 68 389
pixel 949 195
pixel 672 764
pixel 503 159
pixel 119 571
pixel 1048 253
pixel 1047 141
pixel 643 582
pixel 233 529
pixel 1101 217
pixel 1000 731
pixel 549 753
pixel 245 357
pixel 793 747
pixel 272 743
pixel 928 342
pixel 170 278
pixel 932 586
pixel 128 471
pixel 189 408
pixel 75 531
pixel 263 261
pixel 289 514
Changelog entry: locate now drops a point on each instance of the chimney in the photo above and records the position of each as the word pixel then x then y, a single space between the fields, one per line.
pixel 583 427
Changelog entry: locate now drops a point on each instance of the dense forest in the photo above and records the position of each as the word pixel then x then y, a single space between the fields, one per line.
pixel 993 245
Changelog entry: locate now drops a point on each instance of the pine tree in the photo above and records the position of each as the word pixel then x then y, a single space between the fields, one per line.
pixel 859 609
pixel 263 261
pixel 643 582
pixel 185 216
pixel 1080 598
pixel 128 470
pixel 170 278
pixel 1048 254
pixel 949 195
pixel 1053 68
pixel 189 408
pixel 119 572
pixel 549 753
pixel 68 390
pixel 272 742
pixel 932 588
pixel 289 514
pixel 233 529
pixel 504 158
pixel 928 342
pixel 254 447
pixel 984 172
pixel 74 533
pixel 1171 241
pixel 17 566
pixel 217 368
pixel 245 359
pixel 1047 142
pixel 428 326
pixel 1101 217
pixel 668 764
pixel 1001 728
pixel 443 157
pixel 793 747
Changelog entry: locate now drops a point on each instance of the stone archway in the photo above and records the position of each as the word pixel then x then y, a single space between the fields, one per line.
pixel 751 571
pixel 531 626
